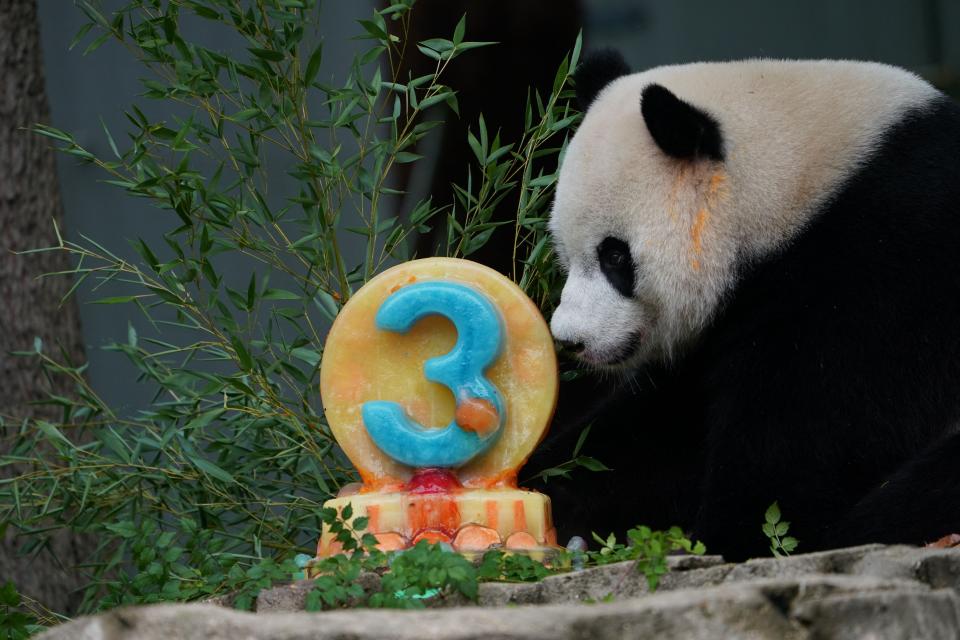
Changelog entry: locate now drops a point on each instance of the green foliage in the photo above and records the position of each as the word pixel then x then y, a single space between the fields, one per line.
pixel 15 622
pixel 654 546
pixel 776 531
pixel 576 461
pixel 261 158
pixel 408 578
pixel 648 548
pixel 497 566
pixel 419 572
pixel 412 577
pixel 338 586
pixel 163 570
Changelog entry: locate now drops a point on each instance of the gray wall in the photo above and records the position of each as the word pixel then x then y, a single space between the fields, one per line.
pixel 922 35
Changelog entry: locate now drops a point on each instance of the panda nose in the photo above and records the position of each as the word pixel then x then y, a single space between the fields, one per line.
pixel 573 347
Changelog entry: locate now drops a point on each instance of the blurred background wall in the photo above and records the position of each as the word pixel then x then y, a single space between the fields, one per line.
pixel 922 35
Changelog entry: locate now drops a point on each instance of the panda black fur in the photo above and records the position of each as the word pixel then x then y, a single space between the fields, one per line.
pixel 784 297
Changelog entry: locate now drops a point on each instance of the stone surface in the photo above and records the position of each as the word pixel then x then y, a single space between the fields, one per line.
pixel 890 614
pixel 620 580
pixel 734 612
pixel 293 597
pixel 864 592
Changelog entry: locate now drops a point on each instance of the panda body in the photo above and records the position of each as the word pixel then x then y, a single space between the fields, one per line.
pixel 768 251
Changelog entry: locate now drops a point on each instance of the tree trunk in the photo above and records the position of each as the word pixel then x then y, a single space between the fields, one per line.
pixel 29 306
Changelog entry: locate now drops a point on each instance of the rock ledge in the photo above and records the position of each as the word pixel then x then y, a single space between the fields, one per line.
pixel 863 592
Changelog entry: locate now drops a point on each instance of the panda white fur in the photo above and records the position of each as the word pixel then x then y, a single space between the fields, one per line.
pixel 769 251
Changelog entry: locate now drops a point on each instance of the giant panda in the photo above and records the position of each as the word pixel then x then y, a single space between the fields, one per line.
pixel 762 263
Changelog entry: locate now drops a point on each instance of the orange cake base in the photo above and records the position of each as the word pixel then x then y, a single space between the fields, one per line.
pixel 470 520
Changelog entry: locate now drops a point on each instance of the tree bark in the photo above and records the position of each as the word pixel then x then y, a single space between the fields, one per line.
pixel 30 306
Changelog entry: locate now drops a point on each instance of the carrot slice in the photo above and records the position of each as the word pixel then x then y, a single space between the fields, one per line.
pixel 432 536
pixel 390 541
pixel 521 540
pixel 475 537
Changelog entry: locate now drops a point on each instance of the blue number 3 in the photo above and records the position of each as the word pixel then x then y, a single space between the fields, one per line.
pixel 480 412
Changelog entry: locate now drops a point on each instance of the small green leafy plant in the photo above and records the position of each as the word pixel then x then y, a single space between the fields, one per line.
pixel 350 532
pixel 425 570
pixel 776 531
pixel 649 548
pixel 337 584
pixel 498 566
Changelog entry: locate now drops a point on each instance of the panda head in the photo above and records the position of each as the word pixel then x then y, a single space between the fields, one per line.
pixel 679 175
pixel 634 285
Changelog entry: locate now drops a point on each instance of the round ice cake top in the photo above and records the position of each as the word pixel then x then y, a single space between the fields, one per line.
pixel 369 365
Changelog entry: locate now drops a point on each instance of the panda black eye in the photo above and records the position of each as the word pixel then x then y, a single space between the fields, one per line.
pixel 615 258
pixel 617 265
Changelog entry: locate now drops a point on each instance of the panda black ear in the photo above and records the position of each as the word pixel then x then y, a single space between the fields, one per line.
pixel 598 69
pixel 680 129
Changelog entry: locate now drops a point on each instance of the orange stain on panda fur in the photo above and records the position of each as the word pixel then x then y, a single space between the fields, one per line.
pixel 716 189
pixel 696 229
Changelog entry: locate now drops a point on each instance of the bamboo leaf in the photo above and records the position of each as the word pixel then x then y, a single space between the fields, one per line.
pixel 211 469
pixel 313 65
pixel 266 54
pixel 245 114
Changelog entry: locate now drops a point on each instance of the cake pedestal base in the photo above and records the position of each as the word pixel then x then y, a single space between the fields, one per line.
pixel 470 520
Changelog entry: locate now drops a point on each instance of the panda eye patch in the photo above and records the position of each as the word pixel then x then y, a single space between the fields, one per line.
pixel 617 265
